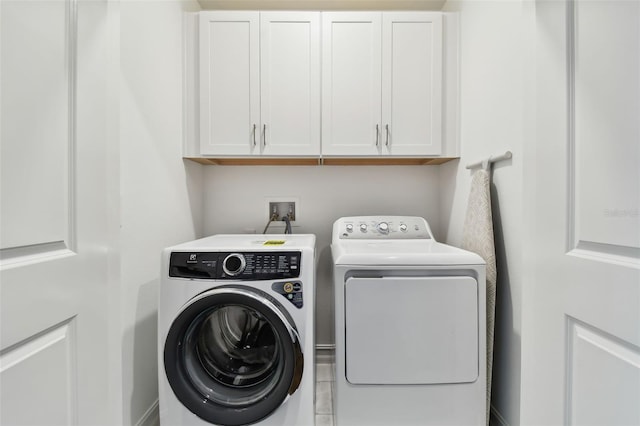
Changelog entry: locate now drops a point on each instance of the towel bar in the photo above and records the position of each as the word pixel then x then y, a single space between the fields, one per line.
pixel 507 155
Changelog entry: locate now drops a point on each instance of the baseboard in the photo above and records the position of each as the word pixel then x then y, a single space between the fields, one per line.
pixel 496 418
pixel 325 353
pixel 151 417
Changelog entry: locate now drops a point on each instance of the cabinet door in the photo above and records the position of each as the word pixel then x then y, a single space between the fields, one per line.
pixel 411 83
pixel 351 83
pixel 229 83
pixel 290 83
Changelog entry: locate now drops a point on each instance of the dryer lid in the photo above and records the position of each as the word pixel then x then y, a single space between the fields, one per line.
pixel 401 253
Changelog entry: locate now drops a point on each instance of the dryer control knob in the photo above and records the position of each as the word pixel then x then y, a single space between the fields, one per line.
pixel 363 227
pixel 234 264
pixel 403 227
pixel 383 227
pixel 349 227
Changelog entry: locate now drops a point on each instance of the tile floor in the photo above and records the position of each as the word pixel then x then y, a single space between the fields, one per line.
pixel 324 389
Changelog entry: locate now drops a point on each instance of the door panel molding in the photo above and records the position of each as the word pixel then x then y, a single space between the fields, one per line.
pixel 597 229
pixel 72 63
pixel 60 237
pixel 28 255
pixel 42 368
pixel 571 135
pixel 607 253
pixel 615 383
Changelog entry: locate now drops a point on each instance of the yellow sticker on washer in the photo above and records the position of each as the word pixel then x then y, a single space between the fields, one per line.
pixel 274 242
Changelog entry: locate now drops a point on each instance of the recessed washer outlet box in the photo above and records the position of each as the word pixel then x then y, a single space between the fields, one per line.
pixel 281 207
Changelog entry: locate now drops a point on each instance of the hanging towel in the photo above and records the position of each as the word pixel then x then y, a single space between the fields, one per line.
pixel 477 236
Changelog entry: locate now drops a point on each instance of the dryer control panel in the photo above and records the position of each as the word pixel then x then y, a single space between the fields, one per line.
pixel 381 227
pixel 246 266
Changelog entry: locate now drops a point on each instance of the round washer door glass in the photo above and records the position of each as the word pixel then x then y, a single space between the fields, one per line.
pixel 233 355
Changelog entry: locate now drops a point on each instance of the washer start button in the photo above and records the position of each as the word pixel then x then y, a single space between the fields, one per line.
pixel 288 287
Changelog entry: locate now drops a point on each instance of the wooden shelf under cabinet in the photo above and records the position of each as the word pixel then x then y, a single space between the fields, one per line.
pixel 328 161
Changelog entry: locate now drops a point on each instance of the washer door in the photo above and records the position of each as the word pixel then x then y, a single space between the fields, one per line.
pixel 233 355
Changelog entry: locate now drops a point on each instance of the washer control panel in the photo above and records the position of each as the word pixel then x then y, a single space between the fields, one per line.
pixel 264 265
pixel 382 227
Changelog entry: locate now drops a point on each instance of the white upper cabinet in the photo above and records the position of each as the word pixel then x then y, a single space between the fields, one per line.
pixel 259 83
pixel 374 86
pixel 382 84
pixel 229 83
pixel 290 83
pixel 412 83
pixel 351 76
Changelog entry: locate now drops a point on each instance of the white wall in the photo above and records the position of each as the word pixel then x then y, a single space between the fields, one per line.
pixel 160 194
pixel 235 201
pixel 492 119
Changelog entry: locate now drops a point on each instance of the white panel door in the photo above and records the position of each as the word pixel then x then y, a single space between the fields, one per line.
pixel 581 319
pixel 290 83
pixel 411 83
pixel 54 356
pixel 229 83
pixel 351 83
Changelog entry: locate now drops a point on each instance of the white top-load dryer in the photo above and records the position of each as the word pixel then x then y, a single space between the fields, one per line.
pixel 236 331
pixel 409 328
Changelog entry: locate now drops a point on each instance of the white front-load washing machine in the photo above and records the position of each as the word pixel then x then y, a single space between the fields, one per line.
pixel 409 327
pixel 236 331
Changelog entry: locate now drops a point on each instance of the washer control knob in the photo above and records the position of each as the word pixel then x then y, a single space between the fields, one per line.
pixel 234 264
pixel 403 227
pixel 363 227
pixel 383 227
pixel 349 227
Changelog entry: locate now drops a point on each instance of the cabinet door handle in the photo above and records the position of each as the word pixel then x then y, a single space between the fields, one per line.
pixel 254 135
pixel 377 135
pixel 387 128
pixel 264 134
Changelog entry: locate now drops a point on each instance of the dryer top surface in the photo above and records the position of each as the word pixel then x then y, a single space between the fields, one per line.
pixel 401 253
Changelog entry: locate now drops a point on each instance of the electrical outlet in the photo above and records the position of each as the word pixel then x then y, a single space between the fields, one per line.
pixel 281 207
